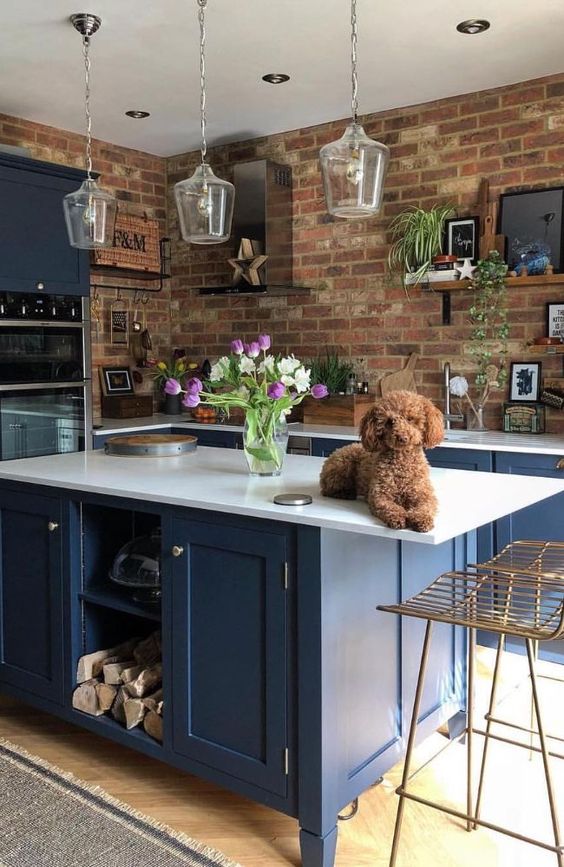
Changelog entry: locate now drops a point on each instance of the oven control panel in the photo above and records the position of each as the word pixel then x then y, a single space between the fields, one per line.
pixel 56 308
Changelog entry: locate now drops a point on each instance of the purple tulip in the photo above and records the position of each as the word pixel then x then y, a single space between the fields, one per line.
pixel 276 390
pixel 172 386
pixel 264 341
pixel 253 349
pixel 319 391
pixel 194 385
pixel 237 347
pixel 191 399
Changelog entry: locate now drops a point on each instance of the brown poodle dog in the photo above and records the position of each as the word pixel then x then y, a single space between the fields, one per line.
pixel 388 467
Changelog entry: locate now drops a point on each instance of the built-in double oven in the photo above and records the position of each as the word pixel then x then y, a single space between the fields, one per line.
pixel 45 389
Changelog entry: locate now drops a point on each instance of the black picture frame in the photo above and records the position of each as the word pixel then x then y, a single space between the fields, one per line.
pixel 525 381
pixel 466 246
pixel 533 223
pixel 555 319
pixel 116 380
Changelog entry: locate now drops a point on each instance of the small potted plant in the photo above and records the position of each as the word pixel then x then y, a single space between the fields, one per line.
pixel 265 387
pixel 166 372
pixel 490 332
pixel 417 237
pixel 344 405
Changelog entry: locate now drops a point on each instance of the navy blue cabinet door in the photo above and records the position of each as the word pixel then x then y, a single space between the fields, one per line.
pixel 31 621
pixel 544 520
pixel 34 247
pixel 229 636
pixel 322 448
pixel 224 439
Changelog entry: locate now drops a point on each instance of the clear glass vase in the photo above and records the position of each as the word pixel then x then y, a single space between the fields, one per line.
pixel 476 419
pixel 265 440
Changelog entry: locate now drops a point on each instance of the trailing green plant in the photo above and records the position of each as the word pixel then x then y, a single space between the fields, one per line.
pixel 490 332
pixel 331 370
pixel 417 237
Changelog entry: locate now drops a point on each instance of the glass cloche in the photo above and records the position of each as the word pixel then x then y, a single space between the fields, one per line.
pixel 137 566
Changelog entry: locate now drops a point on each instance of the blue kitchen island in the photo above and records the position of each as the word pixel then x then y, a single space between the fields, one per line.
pixel 281 681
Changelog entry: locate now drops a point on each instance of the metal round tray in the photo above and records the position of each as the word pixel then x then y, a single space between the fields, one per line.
pixel 150 445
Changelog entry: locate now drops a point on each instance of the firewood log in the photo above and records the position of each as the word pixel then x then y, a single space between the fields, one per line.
pixel 113 670
pixel 153 725
pixel 135 710
pixel 146 682
pixel 86 662
pixel 129 674
pixel 118 710
pixel 98 665
pixel 85 698
pixel 152 701
pixel 106 695
pixel 148 651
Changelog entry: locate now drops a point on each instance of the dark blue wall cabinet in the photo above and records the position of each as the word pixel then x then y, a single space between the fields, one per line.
pixel 31 623
pixel 34 250
pixel 229 635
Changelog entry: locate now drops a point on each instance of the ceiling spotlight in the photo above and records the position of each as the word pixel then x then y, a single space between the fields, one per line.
pixel 473 26
pixel 276 78
pixel 138 115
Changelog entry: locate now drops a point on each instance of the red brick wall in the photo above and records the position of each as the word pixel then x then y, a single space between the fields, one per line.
pixel 139 182
pixel 439 152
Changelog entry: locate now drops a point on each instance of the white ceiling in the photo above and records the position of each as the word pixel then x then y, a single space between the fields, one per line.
pixel 146 56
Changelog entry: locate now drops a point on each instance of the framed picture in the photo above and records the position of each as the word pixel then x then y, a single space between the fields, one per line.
pixel 533 222
pixel 462 237
pixel 524 381
pixel 116 380
pixel 555 319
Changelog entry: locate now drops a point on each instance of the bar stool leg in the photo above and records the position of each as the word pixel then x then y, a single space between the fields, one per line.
pixel 411 740
pixel 544 750
pixel 491 706
pixel 532 715
pixel 470 725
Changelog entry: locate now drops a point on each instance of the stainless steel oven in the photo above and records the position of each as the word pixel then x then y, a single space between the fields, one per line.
pixel 45 388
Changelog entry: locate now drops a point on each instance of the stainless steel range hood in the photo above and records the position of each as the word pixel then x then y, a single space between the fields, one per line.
pixel 263 213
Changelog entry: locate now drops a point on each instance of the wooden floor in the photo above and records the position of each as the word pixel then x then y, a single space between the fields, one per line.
pixel 258 837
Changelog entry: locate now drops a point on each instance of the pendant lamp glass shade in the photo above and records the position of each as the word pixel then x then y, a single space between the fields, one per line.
pixel 354 169
pixel 205 207
pixel 204 201
pixel 90 214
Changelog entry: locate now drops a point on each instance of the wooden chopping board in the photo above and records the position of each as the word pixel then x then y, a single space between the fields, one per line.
pixel 402 380
pixel 489 240
pixel 150 445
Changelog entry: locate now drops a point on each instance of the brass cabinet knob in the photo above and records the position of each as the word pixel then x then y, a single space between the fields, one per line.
pixel 560 464
pixel 40 285
pixel 52 526
pixel 177 550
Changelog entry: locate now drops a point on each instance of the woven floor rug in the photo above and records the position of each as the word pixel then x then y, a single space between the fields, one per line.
pixel 48 818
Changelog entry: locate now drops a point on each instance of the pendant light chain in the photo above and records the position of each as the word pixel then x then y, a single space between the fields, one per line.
pixel 86 53
pixel 354 76
pixel 201 18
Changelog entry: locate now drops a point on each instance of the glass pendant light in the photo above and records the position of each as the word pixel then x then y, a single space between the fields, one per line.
pixel 204 201
pixel 354 167
pixel 90 212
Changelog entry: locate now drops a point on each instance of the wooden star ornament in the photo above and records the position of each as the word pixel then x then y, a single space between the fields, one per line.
pixel 247 264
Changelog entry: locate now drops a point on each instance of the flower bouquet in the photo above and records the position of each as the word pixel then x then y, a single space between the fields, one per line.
pixel 265 387
pixel 165 371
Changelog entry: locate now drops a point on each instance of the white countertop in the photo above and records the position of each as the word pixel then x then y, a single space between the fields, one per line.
pixel 496 441
pixel 217 480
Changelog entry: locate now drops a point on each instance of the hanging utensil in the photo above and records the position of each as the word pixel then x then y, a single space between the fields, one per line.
pixel 146 339
pixel 119 321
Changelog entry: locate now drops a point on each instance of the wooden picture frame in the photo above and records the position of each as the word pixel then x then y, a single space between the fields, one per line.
pixel 462 238
pixel 525 381
pixel 555 319
pixel 533 222
pixel 116 380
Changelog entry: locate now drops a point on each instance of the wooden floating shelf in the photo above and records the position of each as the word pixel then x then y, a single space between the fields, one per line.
pixel 543 349
pixel 457 285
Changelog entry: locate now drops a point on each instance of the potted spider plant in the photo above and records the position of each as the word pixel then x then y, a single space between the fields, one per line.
pixel 417 237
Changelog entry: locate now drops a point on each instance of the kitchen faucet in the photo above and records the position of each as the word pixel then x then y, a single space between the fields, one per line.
pixel 448 415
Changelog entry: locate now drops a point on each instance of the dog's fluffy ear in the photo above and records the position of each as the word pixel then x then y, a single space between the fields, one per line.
pixel 434 427
pixel 371 427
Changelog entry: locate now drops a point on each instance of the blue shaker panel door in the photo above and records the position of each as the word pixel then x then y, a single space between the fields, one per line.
pixel 224 439
pixel 31 623
pixel 229 635
pixel 34 246
pixel 322 448
pixel 544 520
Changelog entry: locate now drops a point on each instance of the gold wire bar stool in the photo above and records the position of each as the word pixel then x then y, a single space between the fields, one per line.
pixel 531 557
pixel 525 604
